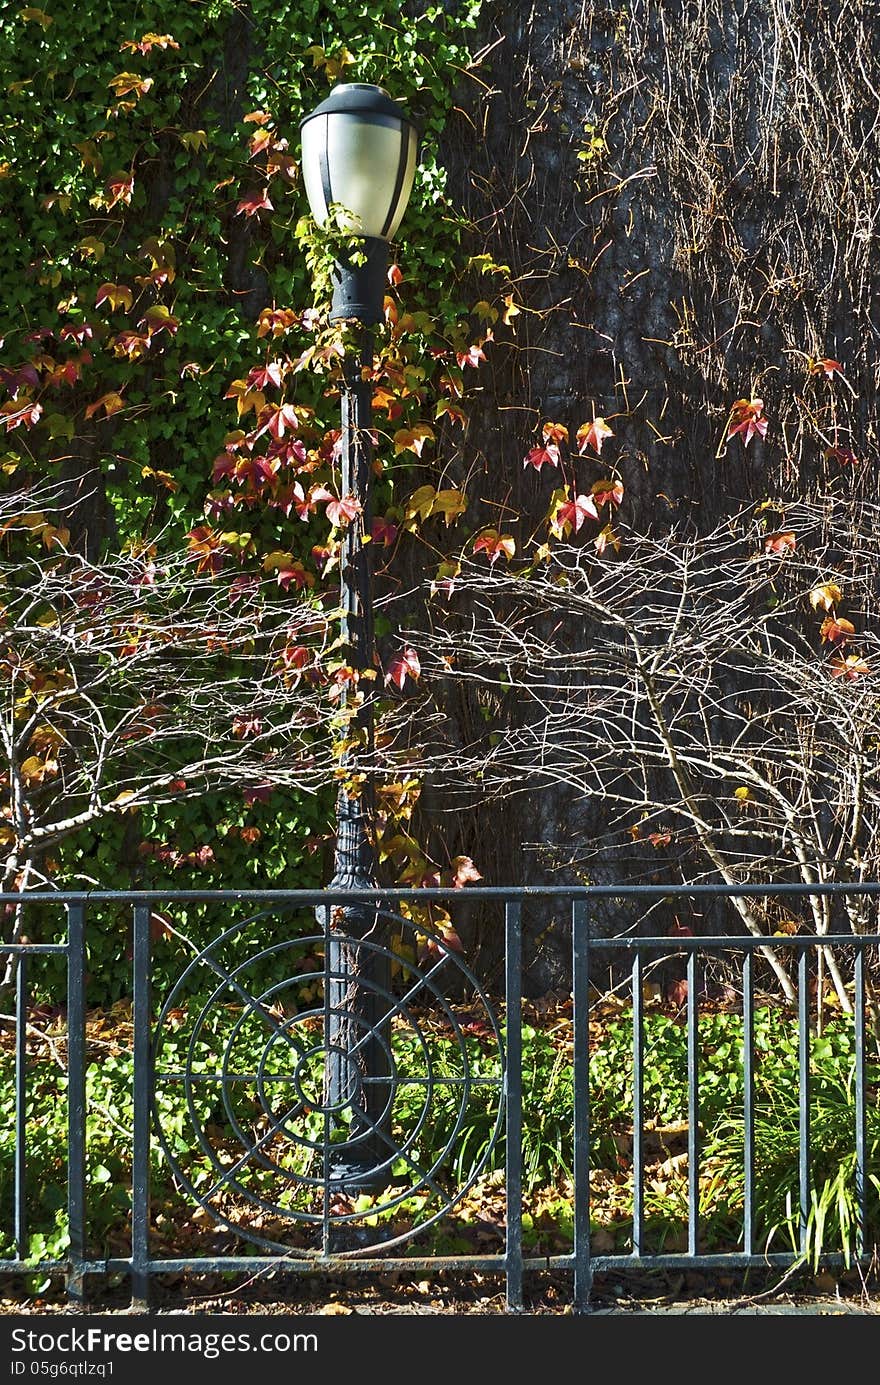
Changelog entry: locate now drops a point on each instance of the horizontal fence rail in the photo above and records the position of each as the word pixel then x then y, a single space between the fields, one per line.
pixel 275 1095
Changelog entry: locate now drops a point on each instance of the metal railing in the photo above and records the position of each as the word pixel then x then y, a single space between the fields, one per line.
pixel 221 1099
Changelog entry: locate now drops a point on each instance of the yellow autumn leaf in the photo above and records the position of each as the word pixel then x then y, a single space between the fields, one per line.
pixel 162 478
pixel 92 246
pixel 825 597
pixel 421 503
pixel 450 504
pixel 194 139
pixel 38 16
pixel 413 439
pixel 273 561
pixel 510 309
pixel 742 793
pixel 53 537
pixel 34 770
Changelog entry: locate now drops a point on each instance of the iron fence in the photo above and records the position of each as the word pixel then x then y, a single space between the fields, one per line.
pixel 215 1086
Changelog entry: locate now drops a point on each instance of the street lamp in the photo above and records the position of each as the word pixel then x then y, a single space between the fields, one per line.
pixel 359 152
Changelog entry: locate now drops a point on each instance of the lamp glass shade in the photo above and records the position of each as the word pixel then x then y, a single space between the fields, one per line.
pixel 359 150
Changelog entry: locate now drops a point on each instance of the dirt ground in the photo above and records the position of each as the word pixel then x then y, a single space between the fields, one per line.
pixel 648 1293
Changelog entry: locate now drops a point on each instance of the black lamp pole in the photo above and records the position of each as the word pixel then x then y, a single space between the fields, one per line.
pixel 357 1067
pixel 359 152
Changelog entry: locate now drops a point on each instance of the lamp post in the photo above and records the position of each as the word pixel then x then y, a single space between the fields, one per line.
pixel 359 152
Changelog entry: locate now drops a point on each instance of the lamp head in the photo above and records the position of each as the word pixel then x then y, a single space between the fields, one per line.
pixel 359 150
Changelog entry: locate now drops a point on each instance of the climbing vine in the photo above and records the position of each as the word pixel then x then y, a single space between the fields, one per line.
pixel 167 361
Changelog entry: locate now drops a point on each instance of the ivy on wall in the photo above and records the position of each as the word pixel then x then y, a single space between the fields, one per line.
pixel 149 202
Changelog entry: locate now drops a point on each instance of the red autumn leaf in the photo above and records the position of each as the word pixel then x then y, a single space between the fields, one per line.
pixel 37 334
pixel 464 870
pixel 836 630
pixel 254 203
pixel 449 936
pixel 296 656
pixel 255 471
pixel 542 456
pixel 782 542
pixel 844 455
pixel 25 377
pixel 395 275
pixel 325 556
pixel 383 531
pixel 574 512
pixel 402 665
pixel 261 140
pixel 120 187
pixel 853 666
pixel 296 573
pixel 28 414
pixel 258 793
pixel 472 356
pixel 280 421
pixel 341 512
pixel 78 332
pixel 658 839
pixel 494 544
pixel 607 492
pixel 678 993
pixel 747 419
pixel 148 41
pixel 262 376
pixel 593 435
pixel 826 367
pixel 243 726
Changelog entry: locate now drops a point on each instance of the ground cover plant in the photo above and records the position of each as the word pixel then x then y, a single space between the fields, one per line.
pixel 476 1222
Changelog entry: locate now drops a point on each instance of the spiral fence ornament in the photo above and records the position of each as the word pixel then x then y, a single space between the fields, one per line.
pixel 310 1129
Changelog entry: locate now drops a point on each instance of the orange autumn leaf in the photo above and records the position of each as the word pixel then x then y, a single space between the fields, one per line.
pixel 782 542
pixel 836 630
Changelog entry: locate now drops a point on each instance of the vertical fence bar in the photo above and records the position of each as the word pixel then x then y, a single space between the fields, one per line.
pixel 513 1087
pixel 20 1190
pixel 638 1154
pixel 749 1103
pixel 803 1095
pixel 861 1111
pixel 580 941
pixel 326 1120
pixel 140 1154
pixel 693 1049
pixel 76 1103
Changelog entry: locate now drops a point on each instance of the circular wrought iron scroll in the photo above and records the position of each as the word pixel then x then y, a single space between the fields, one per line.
pixel 308 1124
